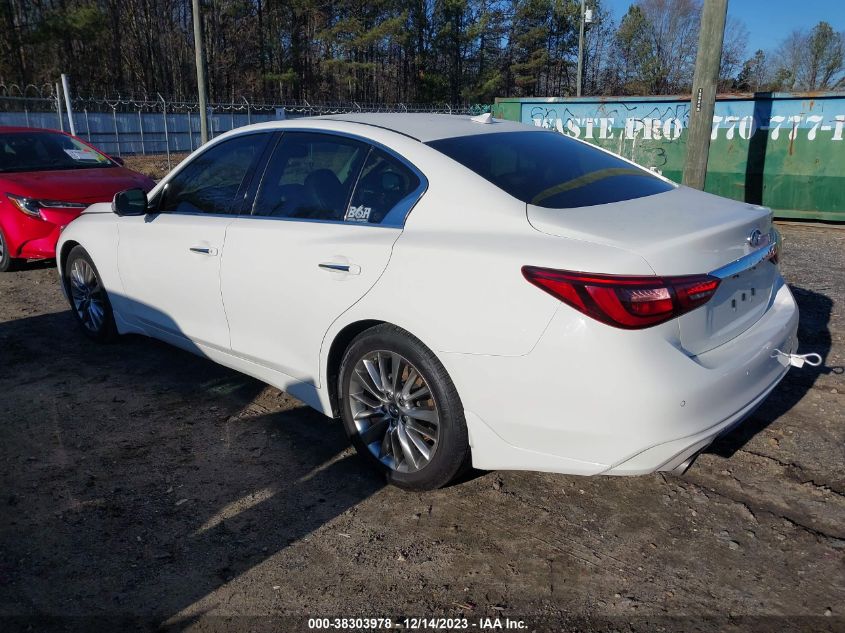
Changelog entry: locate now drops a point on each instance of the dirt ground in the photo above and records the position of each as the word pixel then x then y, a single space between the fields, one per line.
pixel 153 165
pixel 143 486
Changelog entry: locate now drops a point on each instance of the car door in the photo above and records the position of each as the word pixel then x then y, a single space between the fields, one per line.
pixel 325 217
pixel 169 260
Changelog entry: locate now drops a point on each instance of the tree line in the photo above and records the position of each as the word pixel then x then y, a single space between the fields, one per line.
pixel 391 51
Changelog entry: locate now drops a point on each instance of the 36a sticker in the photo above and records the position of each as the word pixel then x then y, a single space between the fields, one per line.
pixel 358 214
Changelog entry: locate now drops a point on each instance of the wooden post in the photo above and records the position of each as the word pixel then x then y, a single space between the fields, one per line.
pixel 200 61
pixel 580 51
pixel 704 82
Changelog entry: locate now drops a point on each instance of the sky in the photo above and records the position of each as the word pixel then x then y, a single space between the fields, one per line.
pixel 769 21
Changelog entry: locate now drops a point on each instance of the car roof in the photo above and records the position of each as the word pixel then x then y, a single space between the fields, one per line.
pixel 428 127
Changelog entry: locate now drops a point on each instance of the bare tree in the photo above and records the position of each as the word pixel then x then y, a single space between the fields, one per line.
pixel 812 60
pixel 656 44
pixel 733 52
pixel 826 57
pixel 755 75
pixel 599 55
pixel 674 40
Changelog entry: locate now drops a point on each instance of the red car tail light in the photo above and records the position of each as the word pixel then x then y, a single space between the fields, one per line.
pixel 625 302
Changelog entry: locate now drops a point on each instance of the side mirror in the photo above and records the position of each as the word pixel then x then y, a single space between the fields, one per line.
pixel 130 202
pixel 118 160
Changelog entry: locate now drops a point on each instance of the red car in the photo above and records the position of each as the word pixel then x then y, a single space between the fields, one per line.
pixel 47 178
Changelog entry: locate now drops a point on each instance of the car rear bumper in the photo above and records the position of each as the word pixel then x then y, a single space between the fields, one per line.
pixel 592 399
pixel 674 454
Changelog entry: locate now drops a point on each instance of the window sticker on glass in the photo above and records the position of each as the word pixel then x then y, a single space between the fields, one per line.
pixel 358 214
pixel 82 154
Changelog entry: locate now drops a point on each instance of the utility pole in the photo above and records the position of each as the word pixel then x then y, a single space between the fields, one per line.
pixel 66 90
pixel 59 107
pixel 200 60
pixel 580 48
pixel 585 19
pixel 704 82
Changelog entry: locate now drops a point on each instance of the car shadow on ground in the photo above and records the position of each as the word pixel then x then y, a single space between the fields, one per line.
pixel 139 478
pixel 34 264
pixel 813 336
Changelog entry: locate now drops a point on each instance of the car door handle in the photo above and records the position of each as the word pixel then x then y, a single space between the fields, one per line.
pixel 203 250
pixel 352 269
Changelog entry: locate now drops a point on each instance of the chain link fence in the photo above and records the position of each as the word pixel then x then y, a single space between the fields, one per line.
pixel 153 124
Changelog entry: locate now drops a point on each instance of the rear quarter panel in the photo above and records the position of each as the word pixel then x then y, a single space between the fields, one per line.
pixel 454 279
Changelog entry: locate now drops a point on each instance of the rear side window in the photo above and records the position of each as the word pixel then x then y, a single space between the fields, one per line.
pixel 310 177
pixel 551 170
pixel 385 192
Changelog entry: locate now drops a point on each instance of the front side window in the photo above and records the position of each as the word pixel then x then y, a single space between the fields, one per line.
pixel 310 177
pixel 46 151
pixel 551 170
pixel 210 182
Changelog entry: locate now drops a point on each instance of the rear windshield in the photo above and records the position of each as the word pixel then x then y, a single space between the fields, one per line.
pixel 46 151
pixel 551 170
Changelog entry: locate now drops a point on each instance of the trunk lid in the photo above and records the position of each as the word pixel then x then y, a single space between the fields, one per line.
pixel 683 232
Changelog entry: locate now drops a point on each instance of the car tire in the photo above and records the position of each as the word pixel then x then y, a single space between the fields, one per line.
pixel 409 425
pixel 89 301
pixel 7 262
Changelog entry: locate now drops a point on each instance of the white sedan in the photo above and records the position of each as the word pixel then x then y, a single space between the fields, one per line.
pixel 458 290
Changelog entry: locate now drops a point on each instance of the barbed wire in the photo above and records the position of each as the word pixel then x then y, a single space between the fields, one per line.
pixel 43 98
pixel 154 124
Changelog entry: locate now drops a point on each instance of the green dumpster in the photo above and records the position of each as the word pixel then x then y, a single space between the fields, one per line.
pixel 782 150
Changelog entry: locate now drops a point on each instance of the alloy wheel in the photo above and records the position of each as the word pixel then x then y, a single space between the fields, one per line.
pixel 394 411
pixel 87 295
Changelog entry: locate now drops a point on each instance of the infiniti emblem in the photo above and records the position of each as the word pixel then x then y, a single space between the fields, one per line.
pixel 755 237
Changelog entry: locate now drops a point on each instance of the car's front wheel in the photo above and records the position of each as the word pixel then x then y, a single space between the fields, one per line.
pixel 401 409
pixel 87 295
pixel 7 262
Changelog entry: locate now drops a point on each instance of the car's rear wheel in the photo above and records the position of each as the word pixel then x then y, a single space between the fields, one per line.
pixel 7 262
pixel 89 301
pixel 401 409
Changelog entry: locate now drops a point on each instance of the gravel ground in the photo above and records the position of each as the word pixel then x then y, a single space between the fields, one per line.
pixel 142 482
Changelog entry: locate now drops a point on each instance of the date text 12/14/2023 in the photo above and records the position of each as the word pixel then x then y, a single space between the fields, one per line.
pixel 419 624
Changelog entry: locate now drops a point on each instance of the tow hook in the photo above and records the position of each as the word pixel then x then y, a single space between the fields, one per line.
pixel 797 360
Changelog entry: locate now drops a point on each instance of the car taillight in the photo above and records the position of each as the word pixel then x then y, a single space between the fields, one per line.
pixel 625 302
